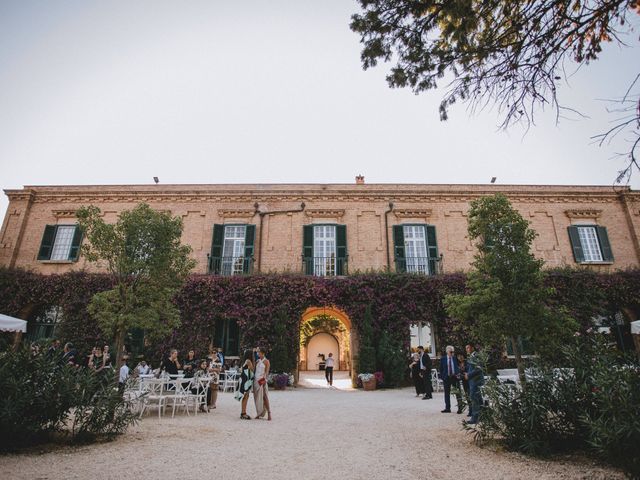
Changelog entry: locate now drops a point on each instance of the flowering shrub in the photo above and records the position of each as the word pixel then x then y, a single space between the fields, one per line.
pixel 366 377
pixel 379 378
pixel 280 380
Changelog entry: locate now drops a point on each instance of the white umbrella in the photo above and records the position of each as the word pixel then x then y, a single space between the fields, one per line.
pixel 12 324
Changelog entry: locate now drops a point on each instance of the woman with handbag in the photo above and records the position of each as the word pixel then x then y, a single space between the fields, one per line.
pixel 246 382
pixel 260 388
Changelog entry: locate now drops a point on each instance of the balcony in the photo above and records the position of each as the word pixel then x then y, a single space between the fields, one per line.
pixel 325 266
pixel 228 266
pixel 419 265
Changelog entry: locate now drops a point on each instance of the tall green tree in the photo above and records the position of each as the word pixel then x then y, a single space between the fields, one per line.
pixel 142 251
pixel 511 53
pixel 506 297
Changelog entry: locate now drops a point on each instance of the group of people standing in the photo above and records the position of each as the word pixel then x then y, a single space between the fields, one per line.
pixel 254 373
pixel 463 375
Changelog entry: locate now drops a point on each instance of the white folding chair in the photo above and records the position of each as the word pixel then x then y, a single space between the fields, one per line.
pixel 183 396
pixel 152 395
pixel 202 387
pixel 231 381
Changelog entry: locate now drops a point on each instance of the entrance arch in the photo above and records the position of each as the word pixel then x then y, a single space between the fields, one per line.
pixel 326 323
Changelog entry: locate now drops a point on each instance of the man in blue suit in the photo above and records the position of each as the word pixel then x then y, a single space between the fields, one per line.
pixel 450 375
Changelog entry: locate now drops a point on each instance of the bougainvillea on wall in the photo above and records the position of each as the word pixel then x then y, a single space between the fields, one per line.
pixel 396 300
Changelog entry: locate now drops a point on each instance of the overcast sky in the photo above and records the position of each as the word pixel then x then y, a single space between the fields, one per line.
pixel 104 92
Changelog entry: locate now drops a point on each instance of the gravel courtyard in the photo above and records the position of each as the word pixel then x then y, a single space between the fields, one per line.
pixel 316 433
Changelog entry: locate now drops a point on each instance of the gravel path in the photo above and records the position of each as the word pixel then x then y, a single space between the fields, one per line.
pixel 317 433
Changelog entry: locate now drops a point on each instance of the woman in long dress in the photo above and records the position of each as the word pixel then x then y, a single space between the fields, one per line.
pixel 260 388
pixel 246 382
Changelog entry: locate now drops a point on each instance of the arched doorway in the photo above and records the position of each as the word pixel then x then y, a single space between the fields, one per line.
pixel 324 330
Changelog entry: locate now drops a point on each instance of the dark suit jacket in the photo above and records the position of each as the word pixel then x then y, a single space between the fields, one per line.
pixel 425 360
pixel 444 368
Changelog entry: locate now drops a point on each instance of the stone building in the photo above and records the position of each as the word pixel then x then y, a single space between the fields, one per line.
pixel 328 229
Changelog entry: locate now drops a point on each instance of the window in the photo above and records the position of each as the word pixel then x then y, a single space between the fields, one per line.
pixel 60 243
pixel 227 336
pixel 43 324
pixel 416 249
pixel 525 346
pixel 232 249
pixel 324 251
pixel 590 244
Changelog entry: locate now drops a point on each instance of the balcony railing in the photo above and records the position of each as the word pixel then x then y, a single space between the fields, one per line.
pixel 230 265
pixel 420 265
pixel 325 266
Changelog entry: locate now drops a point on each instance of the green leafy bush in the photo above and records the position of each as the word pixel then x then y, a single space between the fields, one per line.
pixel 41 396
pixel 367 348
pixel 391 358
pixel 591 406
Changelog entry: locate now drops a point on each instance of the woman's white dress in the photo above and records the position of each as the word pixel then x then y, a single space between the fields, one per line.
pixel 260 391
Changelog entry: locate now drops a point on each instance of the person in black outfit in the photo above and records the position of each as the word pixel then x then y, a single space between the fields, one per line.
pixel 418 383
pixel 171 365
pixel 425 371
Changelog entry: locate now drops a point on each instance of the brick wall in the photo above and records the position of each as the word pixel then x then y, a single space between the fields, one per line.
pixel 361 207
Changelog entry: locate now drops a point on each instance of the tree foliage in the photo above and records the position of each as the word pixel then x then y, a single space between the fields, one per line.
pixel 507 297
pixel 511 53
pixel 142 251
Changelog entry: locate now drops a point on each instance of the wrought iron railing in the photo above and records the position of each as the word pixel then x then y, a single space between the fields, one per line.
pixel 230 265
pixel 325 266
pixel 419 265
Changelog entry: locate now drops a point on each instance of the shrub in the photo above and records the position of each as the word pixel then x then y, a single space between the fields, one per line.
pixel 41 396
pixel 592 406
pixel 367 349
pixel 391 357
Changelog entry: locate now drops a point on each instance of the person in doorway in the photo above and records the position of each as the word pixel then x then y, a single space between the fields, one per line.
pixel 328 369
pixel 246 381
pixel 450 374
pixel 425 373
pixel 414 366
pixel 260 388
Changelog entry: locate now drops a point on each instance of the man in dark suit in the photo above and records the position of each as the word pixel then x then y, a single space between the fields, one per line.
pixel 450 375
pixel 475 376
pixel 425 371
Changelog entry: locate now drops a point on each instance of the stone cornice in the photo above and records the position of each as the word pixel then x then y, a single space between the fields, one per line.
pixel 409 213
pixel 235 213
pixel 324 213
pixel 412 194
pixel 66 213
pixel 586 213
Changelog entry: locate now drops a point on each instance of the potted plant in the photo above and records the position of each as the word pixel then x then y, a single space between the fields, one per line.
pixel 369 381
pixel 279 381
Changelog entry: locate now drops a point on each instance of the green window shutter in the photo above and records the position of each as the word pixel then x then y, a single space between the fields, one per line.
pixel 432 248
pixel 74 252
pixel 341 248
pixel 605 246
pixel 249 240
pixel 216 248
pixel 574 237
pixel 307 241
pixel 398 248
pixel 46 246
pixel 307 249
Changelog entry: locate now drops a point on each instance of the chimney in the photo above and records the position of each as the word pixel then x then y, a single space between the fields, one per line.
pixel 359 179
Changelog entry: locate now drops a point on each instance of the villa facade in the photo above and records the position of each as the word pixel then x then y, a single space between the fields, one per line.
pixel 333 229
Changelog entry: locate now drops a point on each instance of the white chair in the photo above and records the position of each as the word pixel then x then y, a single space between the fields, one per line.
pixel 231 379
pixel 436 381
pixel 202 386
pixel 183 396
pixel 152 395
